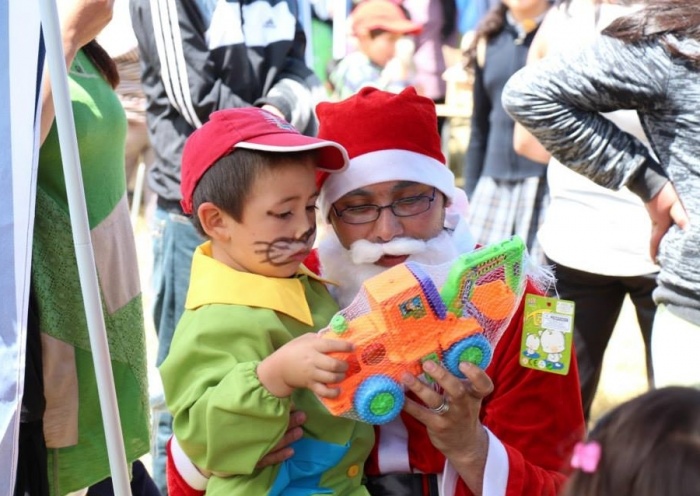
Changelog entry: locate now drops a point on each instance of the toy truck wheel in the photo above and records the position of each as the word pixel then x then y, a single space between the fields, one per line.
pixel 475 349
pixel 378 399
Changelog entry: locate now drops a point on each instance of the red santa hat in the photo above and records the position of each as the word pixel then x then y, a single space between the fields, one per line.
pixel 389 137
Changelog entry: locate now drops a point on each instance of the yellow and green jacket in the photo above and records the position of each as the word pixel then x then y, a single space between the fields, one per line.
pixel 224 419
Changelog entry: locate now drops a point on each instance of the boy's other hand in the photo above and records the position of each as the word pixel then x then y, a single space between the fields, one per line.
pixel 304 363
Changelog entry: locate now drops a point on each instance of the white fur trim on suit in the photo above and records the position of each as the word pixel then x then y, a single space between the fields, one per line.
pixel 186 468
pixel 386 165
pixel 495 472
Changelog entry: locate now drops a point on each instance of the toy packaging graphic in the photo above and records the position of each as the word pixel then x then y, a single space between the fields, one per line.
pixel 547 334
pixel 400 319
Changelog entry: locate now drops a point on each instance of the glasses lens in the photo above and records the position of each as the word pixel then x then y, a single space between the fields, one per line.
pixel 411 206
pixel 361 214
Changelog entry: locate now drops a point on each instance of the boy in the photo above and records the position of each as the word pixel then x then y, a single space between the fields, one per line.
pixel 378 25
pixel 245 346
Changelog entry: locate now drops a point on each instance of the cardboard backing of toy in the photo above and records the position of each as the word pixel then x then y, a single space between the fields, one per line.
pixel 411 313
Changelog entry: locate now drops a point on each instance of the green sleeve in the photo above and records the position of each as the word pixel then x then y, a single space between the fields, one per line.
pixel 223 418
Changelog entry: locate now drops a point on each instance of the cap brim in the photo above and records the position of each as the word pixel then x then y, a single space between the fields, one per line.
pixel 332 157
pixel 394 26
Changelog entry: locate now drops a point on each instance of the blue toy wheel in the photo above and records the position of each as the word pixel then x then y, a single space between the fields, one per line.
pixel 378 399
pixel 475 349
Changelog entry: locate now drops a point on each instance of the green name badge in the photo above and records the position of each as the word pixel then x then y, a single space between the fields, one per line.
pixel 547 334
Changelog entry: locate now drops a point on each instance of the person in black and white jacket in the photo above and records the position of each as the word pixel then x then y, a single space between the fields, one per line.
pixel 198 56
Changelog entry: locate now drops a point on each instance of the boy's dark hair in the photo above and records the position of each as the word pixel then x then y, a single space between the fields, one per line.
pixel 228 183
pixel 650 446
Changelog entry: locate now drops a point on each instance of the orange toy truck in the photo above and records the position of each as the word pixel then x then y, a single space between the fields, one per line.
pixel 400 319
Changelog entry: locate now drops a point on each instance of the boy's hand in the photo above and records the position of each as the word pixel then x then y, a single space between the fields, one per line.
pixel 303 363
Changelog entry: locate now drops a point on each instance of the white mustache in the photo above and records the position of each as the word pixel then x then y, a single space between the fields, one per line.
pixel 364 252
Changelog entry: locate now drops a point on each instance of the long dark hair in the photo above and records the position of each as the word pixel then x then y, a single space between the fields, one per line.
pixel 490 25
pixel 449 18
pixel 656 20
pixel 104 63
pixel 649 446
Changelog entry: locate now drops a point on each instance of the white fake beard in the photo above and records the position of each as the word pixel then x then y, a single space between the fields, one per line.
pixel 350 268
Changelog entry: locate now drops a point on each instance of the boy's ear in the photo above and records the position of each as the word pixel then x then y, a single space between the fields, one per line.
pixel 214 221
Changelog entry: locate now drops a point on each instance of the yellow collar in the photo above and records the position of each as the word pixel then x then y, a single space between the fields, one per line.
pixel 213 282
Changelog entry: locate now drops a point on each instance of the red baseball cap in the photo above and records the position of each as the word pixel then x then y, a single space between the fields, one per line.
pixel 381 14
pixel 253 129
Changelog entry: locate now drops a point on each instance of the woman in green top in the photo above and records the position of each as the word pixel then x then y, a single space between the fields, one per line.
pixel 72 421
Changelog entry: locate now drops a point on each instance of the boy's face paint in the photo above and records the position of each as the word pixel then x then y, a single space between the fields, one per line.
pixel 281 208
pixel 281 251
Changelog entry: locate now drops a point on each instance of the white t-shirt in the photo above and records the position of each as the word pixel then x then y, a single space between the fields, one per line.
pixel 588 227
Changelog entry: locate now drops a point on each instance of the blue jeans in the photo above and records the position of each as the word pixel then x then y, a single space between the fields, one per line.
pixel 174 242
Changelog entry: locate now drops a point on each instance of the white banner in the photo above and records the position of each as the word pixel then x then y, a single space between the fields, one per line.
pixel 19 56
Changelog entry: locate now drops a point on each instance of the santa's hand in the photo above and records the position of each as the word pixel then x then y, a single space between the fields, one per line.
pixel 282 450
pixel 456 432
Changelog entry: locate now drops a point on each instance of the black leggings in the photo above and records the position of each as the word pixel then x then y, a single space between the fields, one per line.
pixel 598 301
pixel 32 471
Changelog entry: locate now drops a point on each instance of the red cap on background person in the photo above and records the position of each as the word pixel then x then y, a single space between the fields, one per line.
pixel 253 129
pixel 388 137
pixel 384 15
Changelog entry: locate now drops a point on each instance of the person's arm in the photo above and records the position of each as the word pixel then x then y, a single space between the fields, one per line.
pixel 479 133
pixel 197 74
pixel 178 61
pixel 81 22
pixel 185 479
pixel 296 90
pixel 559 100
pixel 524 143
pixel 229 371
pixel 212 388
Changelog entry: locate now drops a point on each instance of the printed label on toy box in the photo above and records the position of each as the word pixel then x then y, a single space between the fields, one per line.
pixel 547 334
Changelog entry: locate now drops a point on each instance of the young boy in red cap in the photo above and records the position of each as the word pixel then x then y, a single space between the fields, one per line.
pixel 245 348
pixel 377 25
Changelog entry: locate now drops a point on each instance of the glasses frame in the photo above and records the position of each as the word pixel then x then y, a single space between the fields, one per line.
pixel 378 208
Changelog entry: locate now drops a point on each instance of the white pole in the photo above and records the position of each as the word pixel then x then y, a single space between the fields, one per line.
pixel 340 21
pixel 305 15
pixel 55 60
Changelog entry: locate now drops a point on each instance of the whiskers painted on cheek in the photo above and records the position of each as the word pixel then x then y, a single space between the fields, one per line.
pixel 278 251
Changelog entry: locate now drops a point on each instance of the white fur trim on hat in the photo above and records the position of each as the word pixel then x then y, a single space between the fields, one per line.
pixel 386 165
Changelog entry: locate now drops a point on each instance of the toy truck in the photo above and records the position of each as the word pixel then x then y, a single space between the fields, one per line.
pixel 400 319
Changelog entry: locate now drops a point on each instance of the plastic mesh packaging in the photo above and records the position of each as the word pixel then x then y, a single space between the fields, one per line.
pixel 400 319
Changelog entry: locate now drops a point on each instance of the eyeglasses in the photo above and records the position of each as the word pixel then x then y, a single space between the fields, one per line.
pixel 405 207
